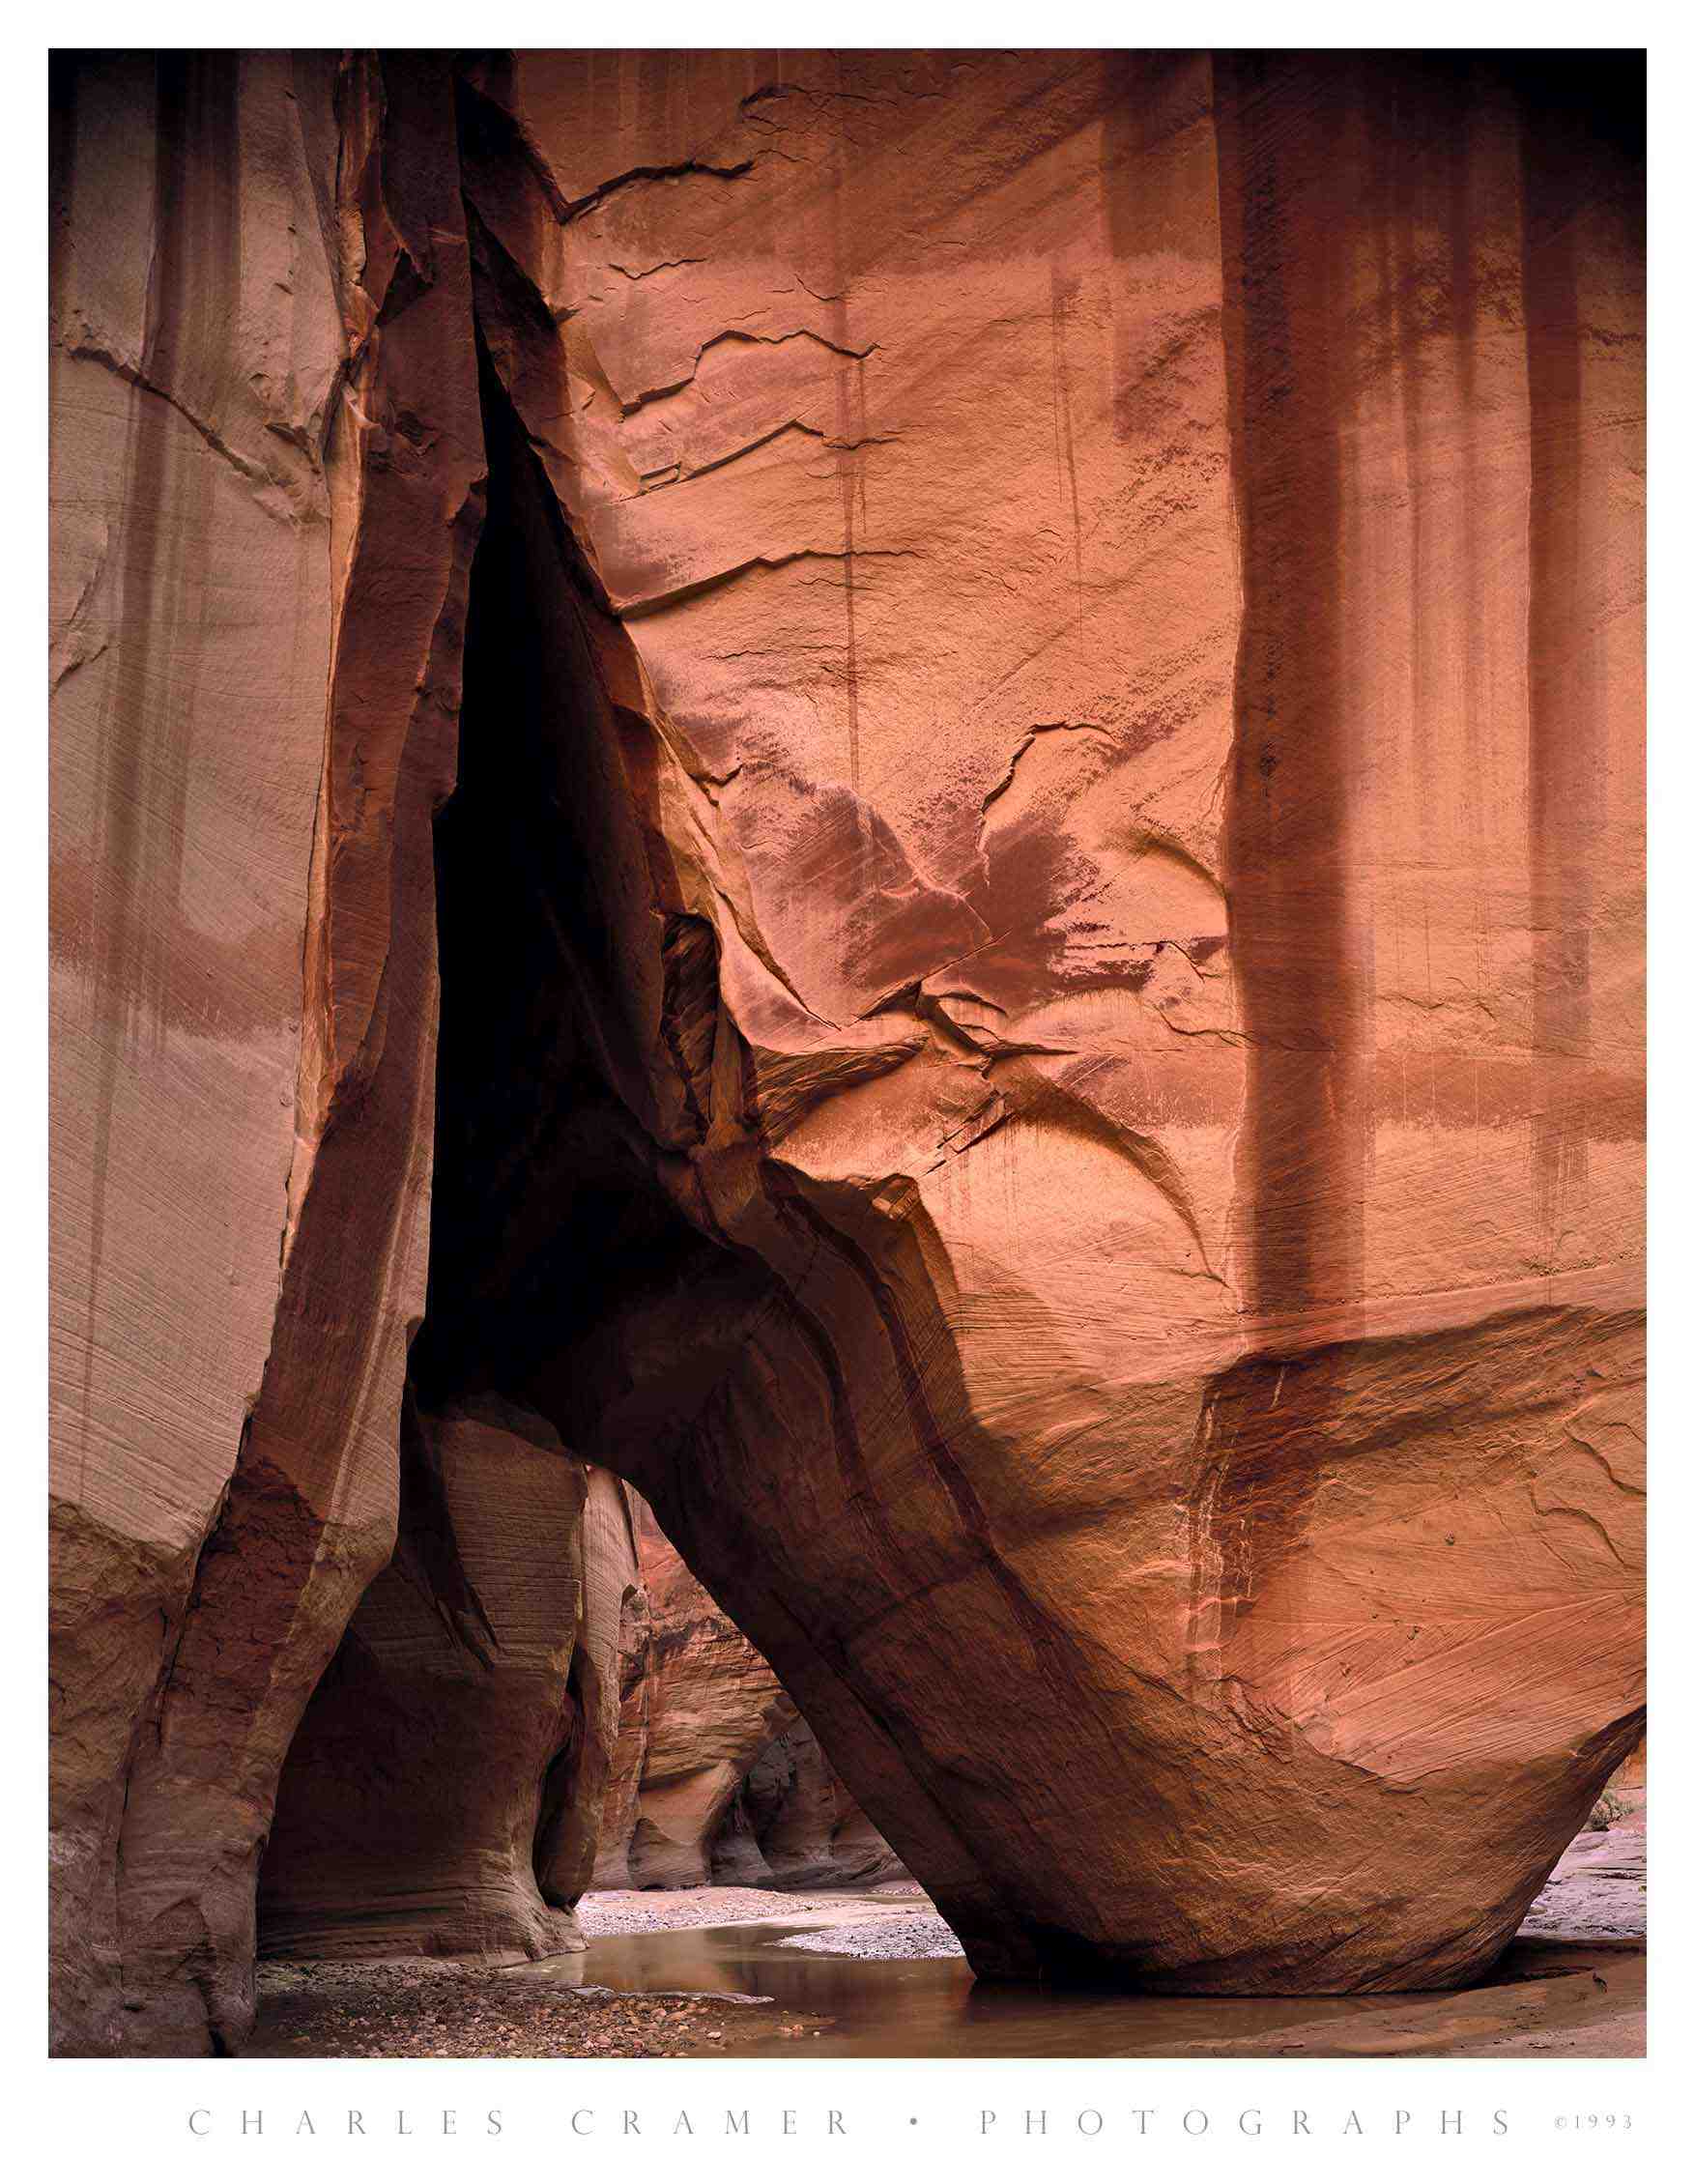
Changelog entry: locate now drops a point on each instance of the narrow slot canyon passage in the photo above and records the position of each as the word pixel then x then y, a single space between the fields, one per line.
pixel 535 1696
pixel 954 1085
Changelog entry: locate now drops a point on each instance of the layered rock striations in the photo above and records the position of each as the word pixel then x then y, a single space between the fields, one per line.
pixel 443 1793
pixel 709 1709
pixel 1041 952
pixel 266 479
pixel 1104 724
pixel 715 1777
pixel 795 1824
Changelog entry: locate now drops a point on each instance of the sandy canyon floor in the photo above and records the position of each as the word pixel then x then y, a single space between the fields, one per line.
pixel 707 1970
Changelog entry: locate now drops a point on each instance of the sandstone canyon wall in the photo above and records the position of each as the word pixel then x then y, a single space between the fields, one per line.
pixel 795 1824
pixel 718 1778
pixel 266 476
pixel 443 1791
pixel 709 1707
pixel 534 1698
pixel 1040 1005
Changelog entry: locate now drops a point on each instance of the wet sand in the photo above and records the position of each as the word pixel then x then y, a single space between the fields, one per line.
pixel 878 1973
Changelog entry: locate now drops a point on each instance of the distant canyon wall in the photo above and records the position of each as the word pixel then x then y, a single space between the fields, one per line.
pixel 717 1778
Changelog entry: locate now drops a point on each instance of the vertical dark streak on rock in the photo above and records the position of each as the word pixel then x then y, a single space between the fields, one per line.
pixel 1562 666
pixel 1288 195
pixel 1063 290
pixel 1463 331
pixel 1149 103
pixel 144 742
pixel 64 71
pixel 1404 313
pixel 846 464
pixel 196 278
pixel 1411 313
pixel 1294 767
pixel 849 431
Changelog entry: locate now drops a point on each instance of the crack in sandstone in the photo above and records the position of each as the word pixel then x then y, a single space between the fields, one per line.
pixel 254 473
pixel 681 473
pixel 567 210
pixel 660 602
pixel 737 337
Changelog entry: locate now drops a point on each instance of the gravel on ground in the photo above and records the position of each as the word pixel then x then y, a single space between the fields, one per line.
pixel 661 1911
pixel 907 1934
pixel 413 2007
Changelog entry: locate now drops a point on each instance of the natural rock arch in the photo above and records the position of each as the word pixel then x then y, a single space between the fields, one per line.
pixel 1048 806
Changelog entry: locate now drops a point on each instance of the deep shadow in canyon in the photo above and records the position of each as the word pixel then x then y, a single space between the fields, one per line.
pixel 547 1223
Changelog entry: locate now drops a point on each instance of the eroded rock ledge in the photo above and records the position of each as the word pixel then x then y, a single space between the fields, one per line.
pixel 1036 960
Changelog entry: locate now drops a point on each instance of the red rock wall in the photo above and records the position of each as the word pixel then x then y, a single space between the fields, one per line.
pixel 621 1792
pixel 1631 1772
pixel 266 459
pixel 714 1777
pixel 1126 668
pixel 796 1825
pixel 1041 940
pixel 712 1706
pixel 583 1784
pixel 441 1793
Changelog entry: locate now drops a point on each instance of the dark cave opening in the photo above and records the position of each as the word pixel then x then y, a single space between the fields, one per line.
pixel 550 1229
pixel 564 964
pixel 542 1207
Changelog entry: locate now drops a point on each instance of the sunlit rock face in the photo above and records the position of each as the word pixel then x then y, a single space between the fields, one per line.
pixel 1040 948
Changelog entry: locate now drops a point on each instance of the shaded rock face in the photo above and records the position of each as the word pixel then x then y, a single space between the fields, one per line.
pixel 1040 956
pixel 714 1776
pixel 266 476
pixel 442 1795
pixel 709 1706
pixel 795 1824
pixel 1631 1772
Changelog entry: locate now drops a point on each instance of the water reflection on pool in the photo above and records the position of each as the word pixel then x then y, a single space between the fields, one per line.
pixel 934 2006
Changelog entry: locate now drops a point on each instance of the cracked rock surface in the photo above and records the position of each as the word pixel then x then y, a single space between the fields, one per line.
pixel 1039 1029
